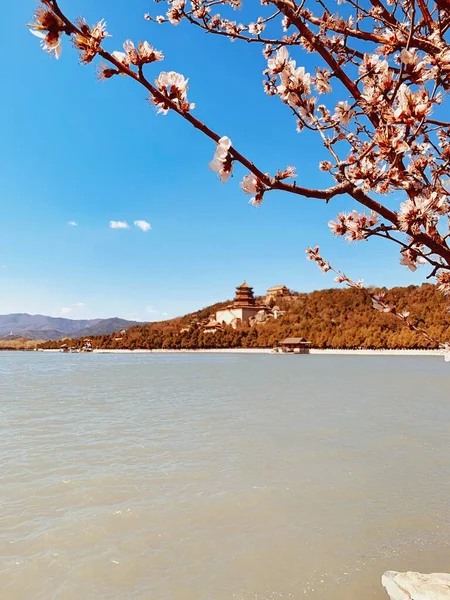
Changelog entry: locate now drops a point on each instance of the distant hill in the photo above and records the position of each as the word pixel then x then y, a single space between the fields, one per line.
pixel 332 318
pixel 40 327
pixel 19 343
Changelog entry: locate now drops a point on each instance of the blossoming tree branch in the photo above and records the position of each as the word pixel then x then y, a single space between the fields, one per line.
pixel 388 137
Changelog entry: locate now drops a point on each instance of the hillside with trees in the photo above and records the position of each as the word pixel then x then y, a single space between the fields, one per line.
pixel 332 318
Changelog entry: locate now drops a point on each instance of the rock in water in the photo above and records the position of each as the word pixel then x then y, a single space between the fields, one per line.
pixel 416 586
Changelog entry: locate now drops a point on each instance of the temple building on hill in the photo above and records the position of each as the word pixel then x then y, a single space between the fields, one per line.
pixel 244 296
pixel 212 326
pixel 243 307
pixel 276 291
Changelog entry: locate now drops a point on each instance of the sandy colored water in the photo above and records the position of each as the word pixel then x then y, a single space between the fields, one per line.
pixel 220 476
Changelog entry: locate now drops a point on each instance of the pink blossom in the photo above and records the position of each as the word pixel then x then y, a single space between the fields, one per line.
pixel 256 200
pixel 314 255
pixel 322 81
pixel 144 54
pixel 422 211
pixel 343 112
pixel 378 303
pixel 279 61
pixel 121 57
pixel 354 226
pixel 175 12
pixel 295 84
pixel 412 106
pixel 366 172
pixel 48 27
pixel 199 10
pixel 288 173
pixel 267 51
pixel 52 48
pixel 257 28
pixel 99 32
pixel 286 22
pixel 174 87
pixel 443 282
pixel 252 185
pixel 222 162
pixel 407 57
pixel 148 54
pixel 410 258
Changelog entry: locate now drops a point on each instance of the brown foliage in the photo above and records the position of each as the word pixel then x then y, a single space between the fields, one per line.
pixel 332 318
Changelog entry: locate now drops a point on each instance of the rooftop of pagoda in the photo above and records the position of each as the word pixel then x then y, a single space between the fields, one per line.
pixel 244 296
pixel 244 286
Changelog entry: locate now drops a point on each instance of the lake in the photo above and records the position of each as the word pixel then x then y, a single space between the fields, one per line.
pixel 220 476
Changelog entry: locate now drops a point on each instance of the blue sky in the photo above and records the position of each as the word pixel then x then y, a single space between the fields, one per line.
pixel 76 149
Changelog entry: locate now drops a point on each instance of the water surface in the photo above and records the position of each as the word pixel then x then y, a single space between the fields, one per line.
pixel 217 477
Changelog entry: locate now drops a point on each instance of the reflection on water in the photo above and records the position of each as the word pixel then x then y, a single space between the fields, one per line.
pixel 213 477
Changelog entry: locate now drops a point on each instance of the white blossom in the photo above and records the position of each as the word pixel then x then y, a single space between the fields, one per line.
pixel 222 162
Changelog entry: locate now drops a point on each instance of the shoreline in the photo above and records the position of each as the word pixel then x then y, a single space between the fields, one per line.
pixel 313 351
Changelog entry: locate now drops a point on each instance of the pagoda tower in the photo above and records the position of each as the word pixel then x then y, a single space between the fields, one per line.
pixel 243 307
pixel 244 296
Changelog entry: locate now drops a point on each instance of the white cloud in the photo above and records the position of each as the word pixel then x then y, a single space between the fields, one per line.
pixel 119 225
pixel 68 309
pixel 151 310
pixel 143 225
pixel 72 223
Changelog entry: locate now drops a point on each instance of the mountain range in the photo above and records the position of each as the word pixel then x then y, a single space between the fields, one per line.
pixel 41 327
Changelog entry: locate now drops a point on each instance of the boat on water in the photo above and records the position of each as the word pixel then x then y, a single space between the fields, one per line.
pixel 86 347
pixel 68 349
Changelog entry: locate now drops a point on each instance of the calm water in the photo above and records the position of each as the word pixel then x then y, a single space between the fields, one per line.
pixel 219 477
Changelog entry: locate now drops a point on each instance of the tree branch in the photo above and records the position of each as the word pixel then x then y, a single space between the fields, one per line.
pixel 270 182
